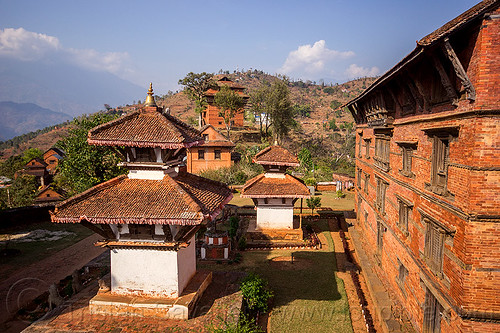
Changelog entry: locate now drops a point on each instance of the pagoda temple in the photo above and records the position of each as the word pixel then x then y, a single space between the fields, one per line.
pixel 149 217
pixel 275 192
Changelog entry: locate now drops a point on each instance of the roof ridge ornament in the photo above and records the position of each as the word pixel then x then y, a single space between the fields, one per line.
pixel 150 100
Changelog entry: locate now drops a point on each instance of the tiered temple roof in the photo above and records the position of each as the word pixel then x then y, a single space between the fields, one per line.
pixel 276 155
pixel 183 200
pixel 275 184
pixel 270 187
pixel 145 129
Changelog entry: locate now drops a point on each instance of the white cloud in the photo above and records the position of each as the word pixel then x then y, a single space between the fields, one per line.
pixel 312 59
pixel 354 71
pixel 31 46
pixel 26 45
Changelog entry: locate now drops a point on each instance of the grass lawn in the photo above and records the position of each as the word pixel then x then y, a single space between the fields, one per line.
pixel 36 250
pixel 308 295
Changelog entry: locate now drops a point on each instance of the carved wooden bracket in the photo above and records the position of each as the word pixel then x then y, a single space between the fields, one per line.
pixel 459 70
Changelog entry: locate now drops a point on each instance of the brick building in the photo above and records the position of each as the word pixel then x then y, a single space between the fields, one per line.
pixel 211 113
pixel 214 153
pixel 428 175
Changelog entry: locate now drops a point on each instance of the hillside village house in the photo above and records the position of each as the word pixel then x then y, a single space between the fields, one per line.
pixel 52 157
pixel 214 153
pixel 211 113
pixel 275 192
pixel 150 216
pixel 38 168
pixel 428 175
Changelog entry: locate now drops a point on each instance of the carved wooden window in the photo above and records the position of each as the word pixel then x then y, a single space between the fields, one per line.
pixel 403 272
pixel 404 214
pixel 205 137
pixel 360 144
pixel 217 154
pixel 145 155
pixel 434 243
pixel 141 231
pixel 359 177
pixel 380 236
pixel 381 191
pixel 382 151
pixel 367 148
pixel 432 314
pixel 407 149
pixel 367 182
pixel 441 139
pixel 440 152
pixel 201 154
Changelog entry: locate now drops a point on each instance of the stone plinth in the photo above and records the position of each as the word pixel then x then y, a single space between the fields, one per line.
pixel 167 308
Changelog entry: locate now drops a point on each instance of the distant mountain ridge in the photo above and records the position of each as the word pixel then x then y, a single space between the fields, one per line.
pixel 20 118
pixel 63 87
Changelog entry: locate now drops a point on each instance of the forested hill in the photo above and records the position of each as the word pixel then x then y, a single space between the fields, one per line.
pixel 315 103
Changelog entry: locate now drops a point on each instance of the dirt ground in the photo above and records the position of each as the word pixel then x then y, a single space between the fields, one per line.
pixel 33 280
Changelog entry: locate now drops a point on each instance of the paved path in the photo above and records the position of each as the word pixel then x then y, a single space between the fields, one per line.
pixel 26 284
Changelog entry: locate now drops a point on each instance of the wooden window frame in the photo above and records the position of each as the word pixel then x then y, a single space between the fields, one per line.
pixel 367 148
pixel 405 209
pixel 402 275
pixel 367 182
pixel 432 314
pixel 381 194
pixel 201 154
pixel 383 149
pixel 434 246
pixel 217 154
pixel 441 139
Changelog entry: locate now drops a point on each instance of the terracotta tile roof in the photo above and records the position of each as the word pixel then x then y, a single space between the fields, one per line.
pixel 270 187
pixel 458 22
pixel 145 129
pixel 276 155
pixel 220 141
pixel 184 200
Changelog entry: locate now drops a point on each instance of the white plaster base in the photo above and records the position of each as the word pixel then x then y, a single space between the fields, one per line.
pixel 274 217
pixel 150 272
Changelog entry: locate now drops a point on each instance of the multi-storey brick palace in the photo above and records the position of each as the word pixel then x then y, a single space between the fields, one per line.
pixel 428 175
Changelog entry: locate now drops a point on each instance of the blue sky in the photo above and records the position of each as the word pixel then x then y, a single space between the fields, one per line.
pixel 161 41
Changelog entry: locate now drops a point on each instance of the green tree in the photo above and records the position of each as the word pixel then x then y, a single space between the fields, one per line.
pixel 228 102
pixel 280 109
pixel 23 191
pixel 258 106
pixel 31 153
pixel 85 166
pixel 305 159
pixel 313 203
pixel 195 86
pixel 335 104
pixel 9 167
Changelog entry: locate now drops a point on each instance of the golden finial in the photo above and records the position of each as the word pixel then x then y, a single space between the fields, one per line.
pixel 150 100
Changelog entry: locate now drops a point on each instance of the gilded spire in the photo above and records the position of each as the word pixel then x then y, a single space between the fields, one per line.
pixel 150 100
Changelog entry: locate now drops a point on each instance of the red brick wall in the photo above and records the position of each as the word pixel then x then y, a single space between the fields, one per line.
pixel 470 279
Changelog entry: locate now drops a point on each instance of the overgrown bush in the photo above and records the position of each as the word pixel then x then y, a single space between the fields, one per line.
pixel 242 244
pixel 340 194
pixel 234 223
pixel 256 293
pixel 244 325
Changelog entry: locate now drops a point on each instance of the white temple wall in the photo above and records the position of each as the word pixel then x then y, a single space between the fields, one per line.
pixel 274 214
pixel 145 271
pixel 186 264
